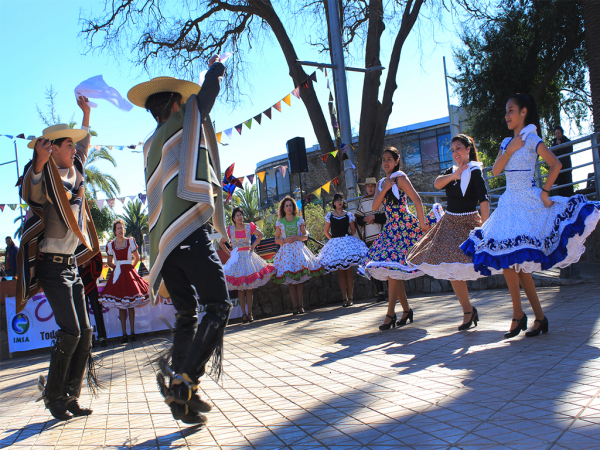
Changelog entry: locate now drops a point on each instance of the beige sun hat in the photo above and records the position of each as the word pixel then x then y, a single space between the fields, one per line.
pixel 60 131
pixel 140 93
pixel 370 180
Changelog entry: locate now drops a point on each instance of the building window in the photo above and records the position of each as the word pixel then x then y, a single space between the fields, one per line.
pixel 283 184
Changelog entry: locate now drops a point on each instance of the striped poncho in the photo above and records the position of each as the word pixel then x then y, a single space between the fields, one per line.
pixel 182 176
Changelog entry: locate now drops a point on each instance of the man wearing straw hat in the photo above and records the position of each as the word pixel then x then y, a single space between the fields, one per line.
pixel 59 235
pixel 184 192
pixel 370 223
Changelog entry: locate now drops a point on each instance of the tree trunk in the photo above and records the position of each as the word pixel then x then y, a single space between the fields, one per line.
pixel 376 114
pixel 368 158
pixel 591 20
pixel 299 76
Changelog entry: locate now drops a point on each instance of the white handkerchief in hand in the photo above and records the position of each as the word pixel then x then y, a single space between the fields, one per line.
pixel 96 87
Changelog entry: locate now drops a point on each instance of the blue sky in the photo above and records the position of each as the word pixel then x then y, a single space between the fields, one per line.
pixel 39 47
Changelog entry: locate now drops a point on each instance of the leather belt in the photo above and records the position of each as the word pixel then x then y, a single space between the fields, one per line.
pixel 57 258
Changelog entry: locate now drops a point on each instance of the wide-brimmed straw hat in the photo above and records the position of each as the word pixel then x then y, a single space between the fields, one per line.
pixel 140 93
pixel 370 180
pixel 60 131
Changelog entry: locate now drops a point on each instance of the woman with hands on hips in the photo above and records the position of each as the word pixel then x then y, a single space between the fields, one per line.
pixel 529 231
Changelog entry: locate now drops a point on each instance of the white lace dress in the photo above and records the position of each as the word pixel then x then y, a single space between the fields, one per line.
pixel 522 233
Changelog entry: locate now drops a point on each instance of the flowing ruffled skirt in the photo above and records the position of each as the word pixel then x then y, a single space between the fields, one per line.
pixel 527 236
pixel 342 253
pixel 247 271
pixel 129 291
pixel 438 253
pixel 295 263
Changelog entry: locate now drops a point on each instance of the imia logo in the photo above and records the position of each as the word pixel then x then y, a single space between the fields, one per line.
pixel 20 323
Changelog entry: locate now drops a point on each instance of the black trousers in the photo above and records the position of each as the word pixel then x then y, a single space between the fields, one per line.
pixel 65 293
pixel 97 308
pixel 193 268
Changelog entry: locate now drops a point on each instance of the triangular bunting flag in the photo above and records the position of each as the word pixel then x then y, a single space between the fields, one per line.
pixel 111 203
pixel 313 76
pixel 259 223
pixel 142 198
pixel 258 118
pixel 248 123
pixel 20 136
pixel 296 92
pixel 267 113
pixel 282 170
pixel 250 178
pixel 219 137
pixel 100 204
pixel 31 137
pixel 317 193
pixel 120 147
pixel 239 128
pixel 2 207
pixel 110 147
pixel 325 71
pixel 345 157
pixel 330 97
pixel 336 181
pixel 326 187
pixel 320 68
pixel 8 136
pixel 305 85
pixel 261 176
pixel 277 106
pixel 288 99
pixel 97 147
pixel 324 157
pixel 132 147
pixel 13 206
pixel 299 204
pixel 271 173
pixel 132 197
pixel 228 132
pixel 122 199
pixel 334 153
pixel 328 84
pixel 24 206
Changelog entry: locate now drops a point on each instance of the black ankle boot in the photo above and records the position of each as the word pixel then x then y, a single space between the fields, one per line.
pixel 58 409
pixel 76 409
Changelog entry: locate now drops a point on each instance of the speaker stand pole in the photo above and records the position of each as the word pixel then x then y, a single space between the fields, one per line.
pixel 301 195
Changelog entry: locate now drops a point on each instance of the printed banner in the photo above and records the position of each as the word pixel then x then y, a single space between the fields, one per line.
pixel 35 327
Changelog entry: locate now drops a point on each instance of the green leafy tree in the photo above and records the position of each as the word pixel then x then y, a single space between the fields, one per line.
pixel 136 222
pixel 315 225
pixel 534 46
pixel 103 218
pixel 247 199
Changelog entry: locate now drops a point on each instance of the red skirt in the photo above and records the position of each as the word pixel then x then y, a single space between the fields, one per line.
pixel 129 291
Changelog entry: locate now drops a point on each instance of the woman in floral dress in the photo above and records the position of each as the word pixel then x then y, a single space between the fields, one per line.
pixel 244 270
pixel 386 259
pixel 294 262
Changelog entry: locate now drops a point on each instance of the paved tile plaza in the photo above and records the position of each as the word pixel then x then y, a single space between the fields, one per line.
pixel 329 379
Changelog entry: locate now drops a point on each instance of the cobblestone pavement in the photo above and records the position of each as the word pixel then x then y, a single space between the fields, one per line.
pixel 330 379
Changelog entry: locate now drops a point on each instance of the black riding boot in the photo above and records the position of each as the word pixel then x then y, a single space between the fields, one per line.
pixel 54 392
pixel 79 361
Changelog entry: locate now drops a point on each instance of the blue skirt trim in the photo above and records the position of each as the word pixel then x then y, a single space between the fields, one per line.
pixel 482 260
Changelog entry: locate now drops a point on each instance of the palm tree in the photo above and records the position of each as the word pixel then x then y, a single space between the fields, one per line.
pixel 96 180
pixel 247 199
pixel 136 222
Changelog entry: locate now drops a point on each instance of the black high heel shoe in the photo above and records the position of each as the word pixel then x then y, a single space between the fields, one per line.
pixel 543 328
pixel 522 326
pixel 474 320
pixel 391 324
pixel 402 322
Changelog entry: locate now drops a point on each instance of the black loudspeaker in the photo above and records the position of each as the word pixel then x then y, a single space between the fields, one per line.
pixel 297 155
